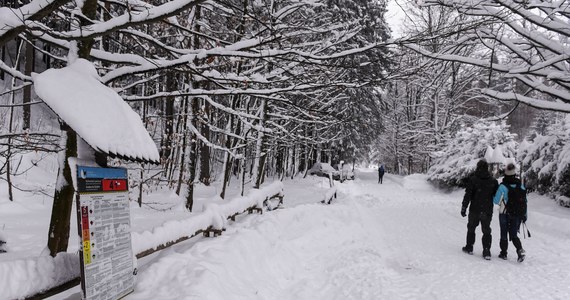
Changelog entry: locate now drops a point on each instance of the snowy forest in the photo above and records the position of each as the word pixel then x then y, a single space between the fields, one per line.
pixel 245 92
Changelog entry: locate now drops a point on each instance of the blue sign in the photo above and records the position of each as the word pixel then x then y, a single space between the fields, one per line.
pixel 101 173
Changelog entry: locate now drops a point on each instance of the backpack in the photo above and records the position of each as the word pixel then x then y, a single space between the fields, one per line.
pixel 516 205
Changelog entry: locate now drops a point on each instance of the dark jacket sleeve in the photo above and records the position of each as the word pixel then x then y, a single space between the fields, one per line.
pixel 468 193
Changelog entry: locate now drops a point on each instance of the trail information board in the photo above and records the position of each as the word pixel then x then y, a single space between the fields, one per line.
pixel 103 219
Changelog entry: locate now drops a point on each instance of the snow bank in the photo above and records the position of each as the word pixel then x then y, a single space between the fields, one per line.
pixel 96 112
pixel 269 257
pixel 23 278
pixel 417 182
pixel 214 215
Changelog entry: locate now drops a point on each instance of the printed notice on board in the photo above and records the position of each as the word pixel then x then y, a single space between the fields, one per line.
pixel 105 230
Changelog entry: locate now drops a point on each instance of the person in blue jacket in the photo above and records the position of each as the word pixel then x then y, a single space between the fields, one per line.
pixel 509 222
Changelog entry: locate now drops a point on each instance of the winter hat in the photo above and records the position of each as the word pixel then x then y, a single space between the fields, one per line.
pixel 510 170
pixel 482 165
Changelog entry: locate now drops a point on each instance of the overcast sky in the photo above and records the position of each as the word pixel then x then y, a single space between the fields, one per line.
pixel 395 16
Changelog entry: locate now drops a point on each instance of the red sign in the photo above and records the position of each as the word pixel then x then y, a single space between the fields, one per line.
pixel 110 185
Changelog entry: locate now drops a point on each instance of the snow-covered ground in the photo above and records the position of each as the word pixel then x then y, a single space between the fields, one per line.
pixel 398 240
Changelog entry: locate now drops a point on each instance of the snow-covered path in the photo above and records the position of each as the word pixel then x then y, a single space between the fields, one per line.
pixel 398 240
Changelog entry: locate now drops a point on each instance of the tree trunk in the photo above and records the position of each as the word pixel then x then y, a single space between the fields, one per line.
pixel 193 155
pixel 228 159
pixel 166 142
pixel 260 156
pixel 28 69
pixel 3 57
pixel 10 127
pixel 8 175
pixel 183 149
pixel 58 234
pixel 205 152
pixel 89 9
pixel 279 162
pixel 192 159
pixel 141 187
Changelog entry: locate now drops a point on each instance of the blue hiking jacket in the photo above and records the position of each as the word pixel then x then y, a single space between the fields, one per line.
pixel 502 195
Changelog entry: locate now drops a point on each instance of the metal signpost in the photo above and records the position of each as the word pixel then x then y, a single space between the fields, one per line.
pixel 103 219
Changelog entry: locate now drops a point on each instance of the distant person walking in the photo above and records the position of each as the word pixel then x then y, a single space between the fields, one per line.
pixel 479 198
pixel 511 198
pixel 380 173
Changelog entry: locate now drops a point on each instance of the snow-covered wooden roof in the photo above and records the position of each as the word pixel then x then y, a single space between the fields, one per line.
pixel 96 112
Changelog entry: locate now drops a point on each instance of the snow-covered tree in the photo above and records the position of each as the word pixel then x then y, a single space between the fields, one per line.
pixel 523 42
pixel 546 160
pixel 453 165
pixel 425 101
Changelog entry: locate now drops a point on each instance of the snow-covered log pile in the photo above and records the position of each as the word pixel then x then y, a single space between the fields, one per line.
pixel 28 277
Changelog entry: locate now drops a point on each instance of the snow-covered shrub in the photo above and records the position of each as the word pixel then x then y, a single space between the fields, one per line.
pixel 453 165
pixel 546 160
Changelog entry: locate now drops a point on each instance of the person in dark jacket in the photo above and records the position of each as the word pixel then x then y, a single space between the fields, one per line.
pixel 380 173
pixel 510 223
pixel 479 198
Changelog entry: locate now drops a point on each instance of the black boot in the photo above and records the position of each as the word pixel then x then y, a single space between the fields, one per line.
pixel 504 244
pixel 486 241
pixel 520 251
pixel 469 243
pixel 487 254
pixel 522 254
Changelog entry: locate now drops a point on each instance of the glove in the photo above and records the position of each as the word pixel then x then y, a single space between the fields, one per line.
pixel 524 219
pixel 463 211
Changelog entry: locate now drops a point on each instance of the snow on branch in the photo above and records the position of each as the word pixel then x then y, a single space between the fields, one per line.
pixel 128 19
pixel 528 41
pixel 14 72
pixel 537 103
pixel 14 20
